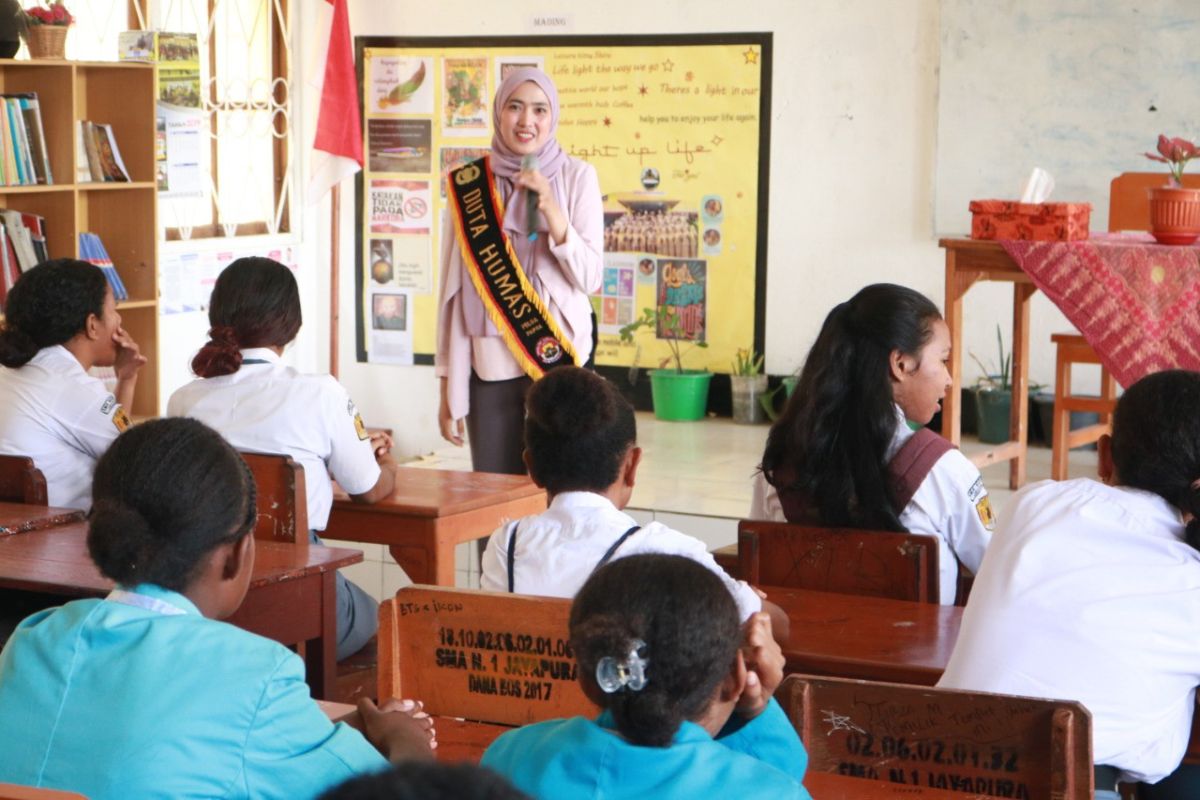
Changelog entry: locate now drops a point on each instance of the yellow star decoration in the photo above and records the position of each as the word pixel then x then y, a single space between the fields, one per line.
pixel 751 55
pixel 1158 274
pixel 668 65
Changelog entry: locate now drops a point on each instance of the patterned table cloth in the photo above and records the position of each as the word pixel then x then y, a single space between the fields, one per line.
pixel 1135 301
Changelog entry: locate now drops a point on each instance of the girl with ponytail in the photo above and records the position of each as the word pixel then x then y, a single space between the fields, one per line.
pixel 261 405
pixel 850 449
pixel 195 707
pixel 1090 591
pixel 686 696
pixel 60 321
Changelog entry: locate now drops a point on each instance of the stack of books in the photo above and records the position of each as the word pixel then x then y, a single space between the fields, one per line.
pixel 24 160
pixel 22 245
pixel 91 250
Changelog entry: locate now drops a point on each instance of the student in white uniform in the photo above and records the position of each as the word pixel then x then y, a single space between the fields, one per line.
pixel 260 405
pixel 1091 592
pixel 850 449
pixel 581 447
pixel 60 321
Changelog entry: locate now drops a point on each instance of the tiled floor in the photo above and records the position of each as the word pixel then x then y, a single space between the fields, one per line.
pixel 695 477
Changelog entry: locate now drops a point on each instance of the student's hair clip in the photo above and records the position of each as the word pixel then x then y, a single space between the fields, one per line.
pixel 613 675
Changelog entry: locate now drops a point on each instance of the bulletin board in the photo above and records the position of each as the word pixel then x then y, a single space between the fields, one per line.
pixel 677 128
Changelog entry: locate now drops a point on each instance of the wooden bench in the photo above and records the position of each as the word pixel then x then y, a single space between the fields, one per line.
pixel 898 566
pixel 22 482
pixel 942 738
pixel 499 658
pixel 280 500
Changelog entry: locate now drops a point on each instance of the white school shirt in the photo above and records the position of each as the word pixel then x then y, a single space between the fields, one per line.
pixel 272 408
pixel 558 549
pixel 53 411
pixel 1090 593
pixel 951 503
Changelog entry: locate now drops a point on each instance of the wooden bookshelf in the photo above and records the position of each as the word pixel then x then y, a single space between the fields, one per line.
pixel 123 215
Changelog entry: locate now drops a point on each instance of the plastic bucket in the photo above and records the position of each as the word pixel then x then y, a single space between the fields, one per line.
pixel 679 396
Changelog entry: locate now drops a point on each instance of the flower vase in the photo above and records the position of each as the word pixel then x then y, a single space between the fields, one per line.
pixel 46 41
pixel 1175 215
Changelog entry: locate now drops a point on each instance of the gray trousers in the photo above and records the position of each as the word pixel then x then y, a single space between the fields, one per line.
pixel 357 613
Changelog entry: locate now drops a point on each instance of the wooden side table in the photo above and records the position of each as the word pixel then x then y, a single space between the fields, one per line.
pixel 969 261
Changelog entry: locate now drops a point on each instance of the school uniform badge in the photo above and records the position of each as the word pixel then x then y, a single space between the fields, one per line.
pixel 121 419
pixel 984 509
pixel 360 427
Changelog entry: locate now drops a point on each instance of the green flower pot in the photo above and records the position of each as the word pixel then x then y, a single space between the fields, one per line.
pixel 679 396
pixel 993 412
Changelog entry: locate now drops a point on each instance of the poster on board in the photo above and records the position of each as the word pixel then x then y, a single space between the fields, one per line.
pixel 677 127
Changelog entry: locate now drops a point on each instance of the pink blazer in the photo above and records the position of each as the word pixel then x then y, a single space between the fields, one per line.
pixel 564 275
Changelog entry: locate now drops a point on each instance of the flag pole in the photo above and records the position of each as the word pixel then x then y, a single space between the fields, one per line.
pixel 335 215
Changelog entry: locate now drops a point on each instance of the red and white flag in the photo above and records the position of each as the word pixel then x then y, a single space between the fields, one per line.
pixel 338 147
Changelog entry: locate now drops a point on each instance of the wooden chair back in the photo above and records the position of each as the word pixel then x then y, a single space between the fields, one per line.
pixel 10 791
pixel 496 658
pixel 22 482
pixel 898 566
pixel 977 742
pixel 282 504
pixel 1129 200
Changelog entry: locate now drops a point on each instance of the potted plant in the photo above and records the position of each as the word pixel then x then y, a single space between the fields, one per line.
pixel 748 385
pixel 1174 209
pixel 46 30
pixel 993 397
pixel 678 394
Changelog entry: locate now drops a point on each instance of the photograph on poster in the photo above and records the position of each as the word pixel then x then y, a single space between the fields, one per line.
pixel 682 290
pixel 382 261
pixel 502 65
pixel 649 222
pixel 401 85
pixel 465 107
pixel 399 145
pixel 389 312
pixel 399 207
pixel 391 332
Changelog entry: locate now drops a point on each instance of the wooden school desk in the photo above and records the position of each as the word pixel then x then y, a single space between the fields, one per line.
pixel 292 597
pixel 969 261
pixel 432 511
pixel 21 517
pixel 871 638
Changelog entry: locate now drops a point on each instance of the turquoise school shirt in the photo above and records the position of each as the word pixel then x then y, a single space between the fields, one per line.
pixel 581 758
pixel 119 701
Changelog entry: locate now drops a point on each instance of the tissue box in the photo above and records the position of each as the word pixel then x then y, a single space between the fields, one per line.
pixel 1008 219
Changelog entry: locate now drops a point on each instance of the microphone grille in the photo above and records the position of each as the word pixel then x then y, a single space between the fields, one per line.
pixel 529 161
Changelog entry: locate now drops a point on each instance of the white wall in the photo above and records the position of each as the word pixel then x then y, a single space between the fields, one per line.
pixel 853 152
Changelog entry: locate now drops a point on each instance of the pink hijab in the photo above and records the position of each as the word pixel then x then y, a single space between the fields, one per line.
pixel 551 157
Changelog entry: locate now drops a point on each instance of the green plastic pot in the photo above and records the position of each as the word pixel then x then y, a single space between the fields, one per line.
pixel 993 412
pixel 679 396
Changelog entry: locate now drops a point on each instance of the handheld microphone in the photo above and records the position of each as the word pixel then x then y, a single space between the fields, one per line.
pixel 529 163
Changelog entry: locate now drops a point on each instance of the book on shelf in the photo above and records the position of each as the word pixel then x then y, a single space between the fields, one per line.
pixel 103 157
pixel 31 110
pixel 92 250
pixel 21 239
pixel 24 159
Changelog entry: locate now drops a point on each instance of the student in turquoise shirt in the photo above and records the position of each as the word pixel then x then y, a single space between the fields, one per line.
pixel 145 693
pixel 687 713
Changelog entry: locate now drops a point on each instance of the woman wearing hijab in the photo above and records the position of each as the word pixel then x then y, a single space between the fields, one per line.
pixel 521 253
